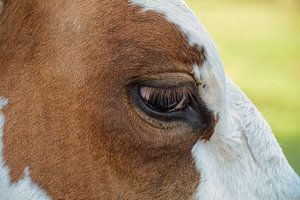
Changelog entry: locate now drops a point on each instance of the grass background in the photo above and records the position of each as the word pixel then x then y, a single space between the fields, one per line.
pixel 259 42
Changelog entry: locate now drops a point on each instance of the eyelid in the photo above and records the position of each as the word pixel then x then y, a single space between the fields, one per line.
pixel 163 80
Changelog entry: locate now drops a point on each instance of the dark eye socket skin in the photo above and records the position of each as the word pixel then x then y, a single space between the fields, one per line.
pixel 172 103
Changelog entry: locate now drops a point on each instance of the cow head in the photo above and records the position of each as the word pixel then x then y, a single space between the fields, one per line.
pixel 128 100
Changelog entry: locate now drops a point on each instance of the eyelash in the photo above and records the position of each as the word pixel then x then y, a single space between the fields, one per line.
pixel 167 100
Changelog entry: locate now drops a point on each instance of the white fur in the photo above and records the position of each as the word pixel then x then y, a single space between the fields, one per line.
pixel 242 160
pixel 24 189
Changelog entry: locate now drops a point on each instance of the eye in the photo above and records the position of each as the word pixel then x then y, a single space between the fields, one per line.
pixel 164 105
pixel 171 103
pixel 166 100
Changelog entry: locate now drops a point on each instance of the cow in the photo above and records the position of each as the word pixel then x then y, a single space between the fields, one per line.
pixel 126 99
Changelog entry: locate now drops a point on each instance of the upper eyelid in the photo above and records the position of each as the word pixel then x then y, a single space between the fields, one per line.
pixel 166 86
pixel 164 80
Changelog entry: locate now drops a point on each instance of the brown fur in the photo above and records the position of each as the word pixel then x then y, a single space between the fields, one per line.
pixel 64 68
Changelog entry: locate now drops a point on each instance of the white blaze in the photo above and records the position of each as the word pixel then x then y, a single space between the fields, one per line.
pixel 24 189
pixel 242 160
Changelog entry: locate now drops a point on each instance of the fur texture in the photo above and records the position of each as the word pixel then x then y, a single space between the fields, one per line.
pixel 243 159
pixel 62 78
pixel 23 189
pixel 78 130
pixel 1 5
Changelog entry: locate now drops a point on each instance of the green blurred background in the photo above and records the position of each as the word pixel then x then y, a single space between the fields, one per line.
pixel 259 42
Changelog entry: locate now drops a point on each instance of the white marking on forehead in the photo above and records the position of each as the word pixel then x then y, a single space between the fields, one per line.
pixel 242 160
pixel 24 189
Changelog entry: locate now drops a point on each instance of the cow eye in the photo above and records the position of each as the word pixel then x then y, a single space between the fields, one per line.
pixel 165 100
pixel 165 103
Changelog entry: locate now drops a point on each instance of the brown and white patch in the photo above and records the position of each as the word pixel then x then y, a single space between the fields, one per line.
pixel 69 106
pixel 24 188
pixel 67 66
pixel 242 160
